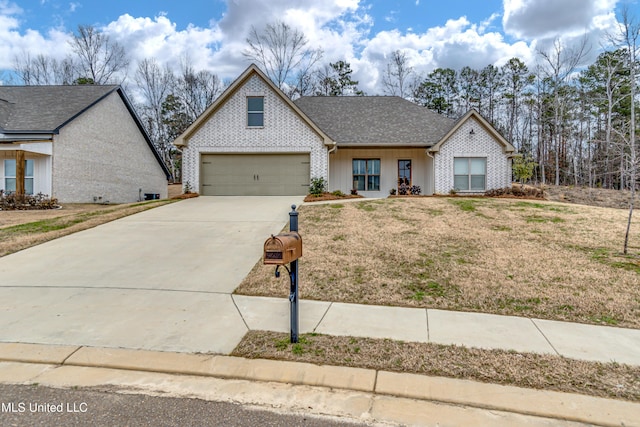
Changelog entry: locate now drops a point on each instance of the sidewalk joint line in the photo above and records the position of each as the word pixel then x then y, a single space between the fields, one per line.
pixel 545 337
pixel 189 291
pixel 72 353
pixel 323 316
pixel 426 313
pixel 240 313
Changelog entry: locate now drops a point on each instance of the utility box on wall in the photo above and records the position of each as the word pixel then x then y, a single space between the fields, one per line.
pixel 282 248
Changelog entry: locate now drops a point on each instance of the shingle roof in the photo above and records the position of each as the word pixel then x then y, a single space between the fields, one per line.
pixel 45 108
pixel 26 110
pixel 375 120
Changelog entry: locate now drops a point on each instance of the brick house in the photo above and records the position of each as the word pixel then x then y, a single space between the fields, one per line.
pixel 253 140
pixel 79 144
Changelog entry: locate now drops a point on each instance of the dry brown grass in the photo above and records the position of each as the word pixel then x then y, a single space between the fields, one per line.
pixel 496 366
pixel 22 229
pixel 517 257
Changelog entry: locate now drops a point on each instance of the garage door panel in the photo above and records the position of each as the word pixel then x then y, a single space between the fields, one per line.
pixel 254 174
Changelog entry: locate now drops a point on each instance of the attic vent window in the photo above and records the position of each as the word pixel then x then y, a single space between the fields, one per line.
pixel 255 111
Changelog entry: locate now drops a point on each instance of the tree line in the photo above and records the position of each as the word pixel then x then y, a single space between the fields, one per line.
pixel 576 121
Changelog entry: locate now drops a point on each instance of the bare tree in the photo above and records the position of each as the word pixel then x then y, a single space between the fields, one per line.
pixel 396 76
pixel 99 59
pixel 43 70
pixel 283 53
pixel 197 89
pixel 155 84
pixel 559 63
pixel 629 38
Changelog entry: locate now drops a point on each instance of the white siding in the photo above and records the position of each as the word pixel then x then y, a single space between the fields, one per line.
pixel 226 131
pixel 480 144
pixel 103 154
pixel 341 175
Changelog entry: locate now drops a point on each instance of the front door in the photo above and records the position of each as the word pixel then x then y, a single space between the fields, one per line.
pixel 404 173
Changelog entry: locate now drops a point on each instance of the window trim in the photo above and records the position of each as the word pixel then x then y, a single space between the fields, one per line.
pixel 410 168
pixel 255 112
pixel 469 175
pixel 366 175
pixel 26 177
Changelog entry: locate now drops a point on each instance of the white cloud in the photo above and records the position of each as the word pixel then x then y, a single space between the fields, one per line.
pixel 14 44
pixel 548 19
pixel 343 28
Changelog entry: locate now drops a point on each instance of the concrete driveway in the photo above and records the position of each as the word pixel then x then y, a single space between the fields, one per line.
pixel 158 280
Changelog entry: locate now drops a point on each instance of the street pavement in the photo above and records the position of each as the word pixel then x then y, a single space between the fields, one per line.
pixel 162 281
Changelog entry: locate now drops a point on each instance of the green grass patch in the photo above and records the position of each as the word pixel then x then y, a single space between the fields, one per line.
pixel 367 207
pixel 336 206
pixel 466 205
pixel 544 206
pixel 544 219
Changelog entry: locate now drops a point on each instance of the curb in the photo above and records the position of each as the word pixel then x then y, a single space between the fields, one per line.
pixel 24 363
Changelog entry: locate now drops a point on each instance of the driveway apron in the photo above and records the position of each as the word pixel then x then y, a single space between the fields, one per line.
pixel 157 280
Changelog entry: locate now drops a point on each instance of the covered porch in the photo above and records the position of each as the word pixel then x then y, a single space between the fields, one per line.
pixel 374 171
pixel 25 167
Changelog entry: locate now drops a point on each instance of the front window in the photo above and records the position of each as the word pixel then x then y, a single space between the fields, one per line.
pixel 470 173
pixel 10 176
pixel 255 111
pixel 404 172
pixel 366 174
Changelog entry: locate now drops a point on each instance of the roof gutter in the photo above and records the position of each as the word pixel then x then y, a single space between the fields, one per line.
pixel 385 145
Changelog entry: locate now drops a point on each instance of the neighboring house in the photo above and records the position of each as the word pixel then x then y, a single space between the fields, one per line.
pixel 253 140
pixel 79 144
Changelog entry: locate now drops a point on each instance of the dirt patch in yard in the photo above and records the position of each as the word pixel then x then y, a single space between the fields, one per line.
pixel 503 256
pixel 589 196
pixel 536 371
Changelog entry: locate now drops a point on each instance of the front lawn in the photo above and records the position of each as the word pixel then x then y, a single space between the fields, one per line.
pixel 527 258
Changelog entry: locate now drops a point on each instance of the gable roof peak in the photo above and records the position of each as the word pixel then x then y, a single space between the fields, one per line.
pixel 250 71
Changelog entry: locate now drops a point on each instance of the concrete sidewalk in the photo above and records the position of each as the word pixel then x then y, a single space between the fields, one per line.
pixel 488 331
pixel 356 394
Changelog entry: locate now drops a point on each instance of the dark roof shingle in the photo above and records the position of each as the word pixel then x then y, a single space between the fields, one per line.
pixel 375 120
pixel 46 108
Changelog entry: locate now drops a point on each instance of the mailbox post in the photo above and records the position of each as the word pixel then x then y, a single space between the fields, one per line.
pixel 286 248
pixel 293 293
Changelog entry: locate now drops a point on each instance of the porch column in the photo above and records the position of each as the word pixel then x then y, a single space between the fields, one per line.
pixel 20 172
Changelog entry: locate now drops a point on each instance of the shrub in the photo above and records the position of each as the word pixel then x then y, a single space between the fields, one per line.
pixel 14 201
pixel 516 191
pixel 318 186
pixel 392 192
pixel 188 188
pixel 354 191
pixel 403 190
pixel 416 190
pixel 338 193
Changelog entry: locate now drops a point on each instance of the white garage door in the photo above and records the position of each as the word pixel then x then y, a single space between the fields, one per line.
pixel 254 174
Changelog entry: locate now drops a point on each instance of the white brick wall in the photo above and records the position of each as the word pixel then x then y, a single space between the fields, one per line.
pixel 102 153
pixel 480 144
pixel 226 131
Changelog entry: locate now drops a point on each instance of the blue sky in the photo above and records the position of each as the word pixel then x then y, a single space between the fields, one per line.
pixel 212 33
pixel 418 16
